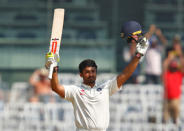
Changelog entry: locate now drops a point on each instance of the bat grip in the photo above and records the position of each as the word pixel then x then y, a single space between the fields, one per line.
pixel 51 71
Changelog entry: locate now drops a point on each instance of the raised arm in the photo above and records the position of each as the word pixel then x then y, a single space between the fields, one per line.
pixel 56 87
pixel 127 72
pixel 34 77
pixel 132 31
pixel 37 75
pixel 162 38
pixel 141 49
pixel 151 31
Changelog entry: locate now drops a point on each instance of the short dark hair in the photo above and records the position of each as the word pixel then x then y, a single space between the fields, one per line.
pixel 87 63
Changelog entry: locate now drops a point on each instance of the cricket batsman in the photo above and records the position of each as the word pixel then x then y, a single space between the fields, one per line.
pixel 91 101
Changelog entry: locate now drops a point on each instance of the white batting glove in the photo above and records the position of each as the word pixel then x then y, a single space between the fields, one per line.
pixel 51 59
pixel 142 46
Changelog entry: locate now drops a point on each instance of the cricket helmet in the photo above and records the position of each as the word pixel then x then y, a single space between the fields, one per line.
pixel 130 28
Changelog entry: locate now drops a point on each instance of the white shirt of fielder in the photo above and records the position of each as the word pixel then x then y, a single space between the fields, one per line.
pixel 91 105
pixel 153 62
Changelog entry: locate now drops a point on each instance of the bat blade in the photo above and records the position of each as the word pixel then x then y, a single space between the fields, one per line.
pixel 56 34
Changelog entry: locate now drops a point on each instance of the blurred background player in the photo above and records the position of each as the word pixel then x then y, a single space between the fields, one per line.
pixel 173 71
pixel 154 56
pixel 41 86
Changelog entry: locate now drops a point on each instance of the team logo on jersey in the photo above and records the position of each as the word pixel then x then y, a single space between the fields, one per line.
pixel 82 92
pixel 99 89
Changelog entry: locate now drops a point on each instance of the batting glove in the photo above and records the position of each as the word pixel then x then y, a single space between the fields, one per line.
pixel 142 46
pixel 51 59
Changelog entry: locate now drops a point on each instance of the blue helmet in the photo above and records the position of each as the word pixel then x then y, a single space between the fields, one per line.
pixel 131 28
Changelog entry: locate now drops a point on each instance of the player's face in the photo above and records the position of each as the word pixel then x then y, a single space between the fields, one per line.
pixel 89 75
pixel 135 37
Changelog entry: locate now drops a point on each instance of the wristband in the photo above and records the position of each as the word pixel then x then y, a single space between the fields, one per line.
pixel 138 55
pixel 56 69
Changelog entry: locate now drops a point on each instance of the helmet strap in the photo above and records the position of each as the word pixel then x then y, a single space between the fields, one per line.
pixel 130 38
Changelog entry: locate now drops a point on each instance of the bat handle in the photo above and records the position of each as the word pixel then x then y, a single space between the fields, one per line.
pixel 51 71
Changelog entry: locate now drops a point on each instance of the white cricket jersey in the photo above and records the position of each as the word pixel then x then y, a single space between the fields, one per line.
pixel 91 105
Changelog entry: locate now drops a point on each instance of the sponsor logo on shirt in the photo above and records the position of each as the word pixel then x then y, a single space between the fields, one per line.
pixel 82 92
pixel 99 89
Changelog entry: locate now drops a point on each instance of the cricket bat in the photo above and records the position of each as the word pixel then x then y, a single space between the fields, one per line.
pixel 56 34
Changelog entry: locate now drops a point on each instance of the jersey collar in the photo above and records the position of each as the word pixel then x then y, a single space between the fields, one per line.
pixel 87 86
